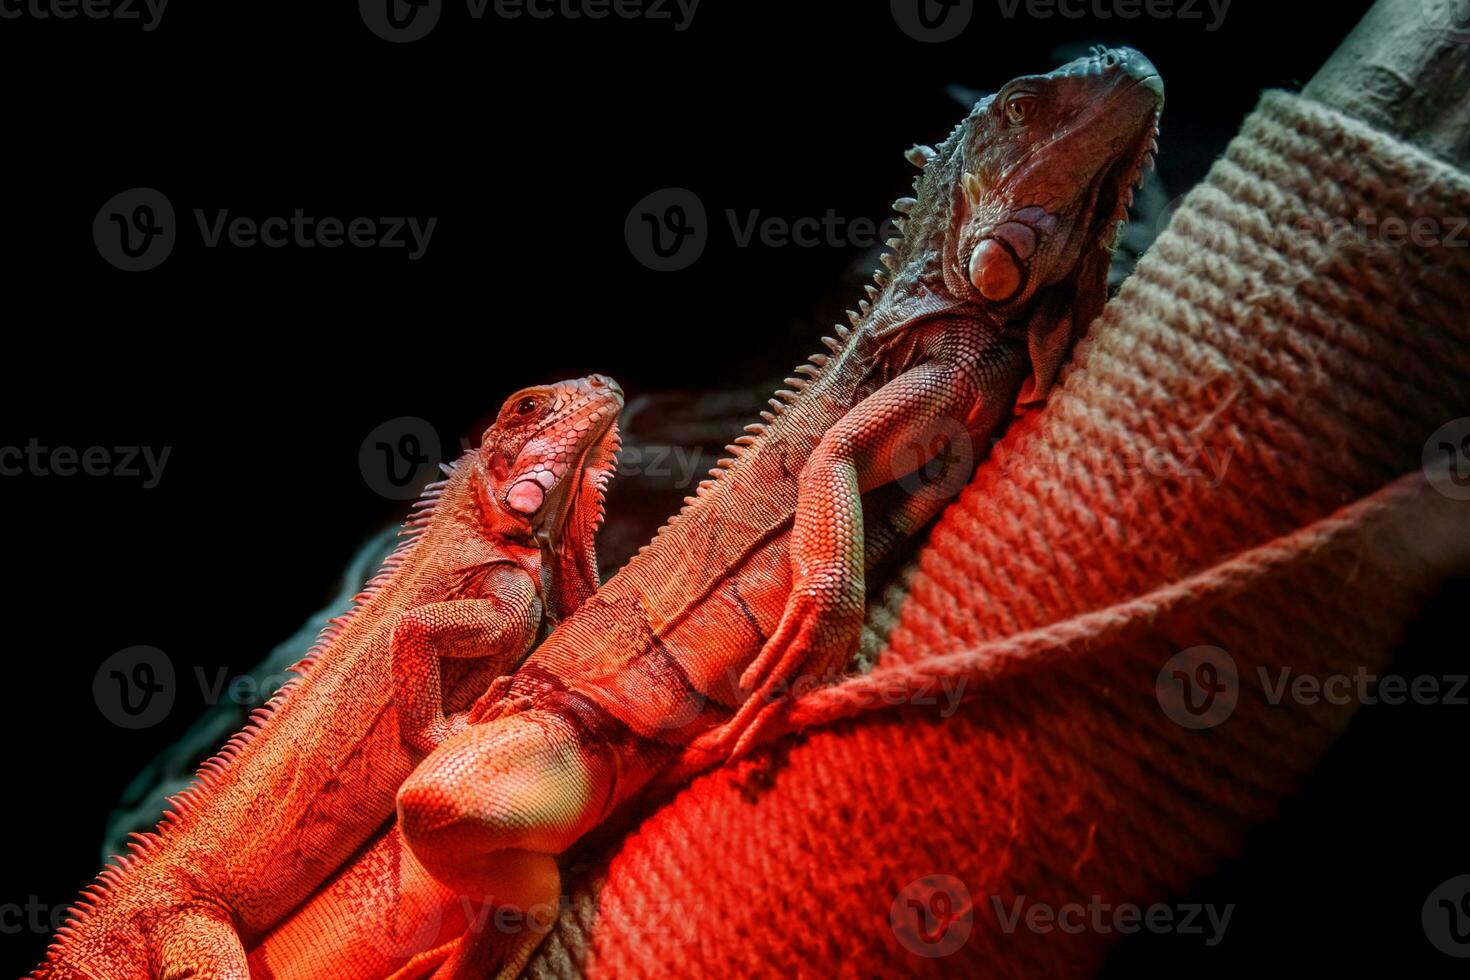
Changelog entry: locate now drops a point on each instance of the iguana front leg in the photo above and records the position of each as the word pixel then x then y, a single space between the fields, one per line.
pixel 502 628
pixel 822 620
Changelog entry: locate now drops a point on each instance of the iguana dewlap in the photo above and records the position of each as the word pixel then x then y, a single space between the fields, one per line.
pixel 759 583
pixel 502 545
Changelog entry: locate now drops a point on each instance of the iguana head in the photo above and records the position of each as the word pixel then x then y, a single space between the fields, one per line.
pixel 546 462
pixel 1047 167
pixel 1018 211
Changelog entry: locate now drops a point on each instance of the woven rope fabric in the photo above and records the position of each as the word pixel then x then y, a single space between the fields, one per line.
pixel 1273 326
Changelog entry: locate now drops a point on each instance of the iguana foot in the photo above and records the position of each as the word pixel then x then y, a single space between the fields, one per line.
pixel 817 632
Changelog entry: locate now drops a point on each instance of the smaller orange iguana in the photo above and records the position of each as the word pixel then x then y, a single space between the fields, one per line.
pixel 498 552
pixel 760 582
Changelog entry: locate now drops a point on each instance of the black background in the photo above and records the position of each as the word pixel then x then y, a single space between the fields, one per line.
pixel 264 369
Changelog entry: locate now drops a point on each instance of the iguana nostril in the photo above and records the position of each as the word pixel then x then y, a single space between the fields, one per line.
pixel 603 381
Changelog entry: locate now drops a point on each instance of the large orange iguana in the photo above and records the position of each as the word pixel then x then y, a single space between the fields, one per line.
pixel 760 580
pixel 497 552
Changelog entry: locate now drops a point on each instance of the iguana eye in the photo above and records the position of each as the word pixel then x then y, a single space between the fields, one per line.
pixel 1018 107
pixel 525 406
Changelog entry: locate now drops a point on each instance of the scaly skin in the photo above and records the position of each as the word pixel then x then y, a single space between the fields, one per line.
pixel 503 543
pixel 761 578
pixel 369 921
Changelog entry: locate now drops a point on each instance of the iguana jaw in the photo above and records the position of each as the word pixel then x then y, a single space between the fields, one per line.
pixel 1114 191
pixel 576 497
pixel 569 550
